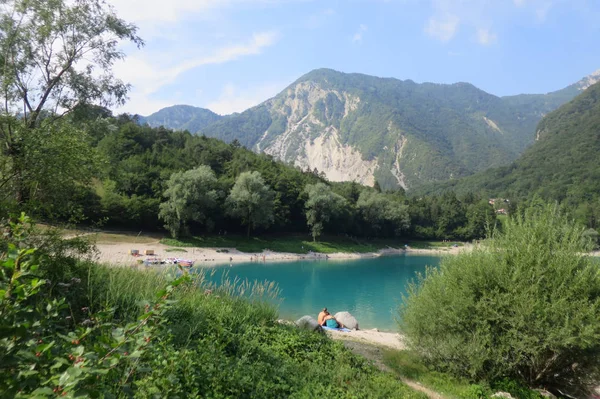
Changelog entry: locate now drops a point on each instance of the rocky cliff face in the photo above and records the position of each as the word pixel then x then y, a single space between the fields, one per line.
pixel 310 137
pixel 589 80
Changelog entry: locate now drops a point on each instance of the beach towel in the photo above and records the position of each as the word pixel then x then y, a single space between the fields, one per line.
pixel 336 329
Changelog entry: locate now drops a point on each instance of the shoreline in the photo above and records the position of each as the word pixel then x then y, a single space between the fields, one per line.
pixel 389 340
pixel 120 254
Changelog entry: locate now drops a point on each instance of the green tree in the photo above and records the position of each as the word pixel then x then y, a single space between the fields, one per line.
pixel 251 199
pixel 55 55
pixel 55 162
pixel 526 306
pixel 480 217
pixel 322 204
pixel 191 197
pixel 380 213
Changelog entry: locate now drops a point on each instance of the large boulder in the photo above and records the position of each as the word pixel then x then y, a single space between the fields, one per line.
pixel 309 323
pixel 347 320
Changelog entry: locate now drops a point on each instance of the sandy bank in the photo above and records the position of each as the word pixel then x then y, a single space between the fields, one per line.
pixel 374 337
pixel 120 254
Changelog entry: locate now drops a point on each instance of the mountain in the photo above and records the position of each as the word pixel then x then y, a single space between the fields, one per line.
pixel 181 117
pixel 561 165
pixel 400 133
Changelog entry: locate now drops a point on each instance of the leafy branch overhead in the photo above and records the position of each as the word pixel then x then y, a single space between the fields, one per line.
pixel 57 54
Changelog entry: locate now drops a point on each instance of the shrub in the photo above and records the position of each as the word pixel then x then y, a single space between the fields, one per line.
pixel 524 306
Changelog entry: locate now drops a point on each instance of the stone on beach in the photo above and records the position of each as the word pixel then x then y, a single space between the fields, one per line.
pixel 308 323
pixel 347 320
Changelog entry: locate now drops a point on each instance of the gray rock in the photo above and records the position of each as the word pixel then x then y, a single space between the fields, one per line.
pixel 504 395
pixel 308 323
pixel 347 320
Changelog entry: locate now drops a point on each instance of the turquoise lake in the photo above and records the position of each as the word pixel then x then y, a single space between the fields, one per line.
pixel 370 289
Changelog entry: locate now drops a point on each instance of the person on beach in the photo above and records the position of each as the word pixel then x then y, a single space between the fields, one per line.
pixel 321 317
pixel 326 319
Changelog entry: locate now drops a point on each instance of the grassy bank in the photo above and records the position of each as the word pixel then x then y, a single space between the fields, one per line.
pixel 229 336
pixel 301 244
pixel 408 365
pixel 291 244
pixel 102 331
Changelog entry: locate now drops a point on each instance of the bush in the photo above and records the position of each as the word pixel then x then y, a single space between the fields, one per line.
pixel 525 306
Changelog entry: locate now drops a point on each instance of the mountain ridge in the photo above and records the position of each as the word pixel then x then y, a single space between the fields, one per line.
pixel 397 132
pixel 181 117
pixel 560 166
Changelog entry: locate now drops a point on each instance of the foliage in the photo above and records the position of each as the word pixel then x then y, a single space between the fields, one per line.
pixel 191 196
pixel 123 170
pixel 524 306
pixel 56 55
pixel 105 332
pixel 382 213
pixel 54 164
pixel 321 205
pixel 251 200
pixel 409 365
pixel 560 166
pixel 448 217
pixel 45 351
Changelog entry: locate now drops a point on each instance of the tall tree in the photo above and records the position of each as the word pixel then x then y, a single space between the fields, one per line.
pixel 251 200
pixel 381 213
pixel 54 56
pixel 322 204
pixel 191 197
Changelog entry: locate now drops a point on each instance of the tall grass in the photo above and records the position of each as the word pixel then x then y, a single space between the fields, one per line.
pixel 225 341
pixel 200 304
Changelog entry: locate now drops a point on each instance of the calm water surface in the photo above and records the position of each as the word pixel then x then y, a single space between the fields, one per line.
pixel 370 289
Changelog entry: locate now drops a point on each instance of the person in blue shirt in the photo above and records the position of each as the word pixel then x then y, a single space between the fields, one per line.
pixel 326 319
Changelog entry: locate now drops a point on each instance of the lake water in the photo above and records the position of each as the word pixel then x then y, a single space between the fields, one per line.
pixel 370 289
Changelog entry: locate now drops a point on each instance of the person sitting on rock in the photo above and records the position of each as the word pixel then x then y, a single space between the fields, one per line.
pixel 321 317
pixel 328 320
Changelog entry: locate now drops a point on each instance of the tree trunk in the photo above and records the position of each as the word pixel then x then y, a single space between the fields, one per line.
pixel 248 232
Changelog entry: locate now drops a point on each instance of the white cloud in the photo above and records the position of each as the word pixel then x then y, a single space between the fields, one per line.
pixel 148 76
pixel 486 37
pixel 442 27
pixel 358 36
pixel 233 99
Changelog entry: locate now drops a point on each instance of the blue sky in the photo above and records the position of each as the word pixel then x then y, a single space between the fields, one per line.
pixel 228 55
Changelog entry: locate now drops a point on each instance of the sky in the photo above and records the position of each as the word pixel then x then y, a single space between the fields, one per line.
pixel 229 55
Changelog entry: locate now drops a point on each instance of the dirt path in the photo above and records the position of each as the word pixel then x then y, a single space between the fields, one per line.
pixel 374 353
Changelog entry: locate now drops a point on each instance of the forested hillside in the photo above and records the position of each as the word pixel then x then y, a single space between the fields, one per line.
pixel 562 165
pixel 125 171
pixel 355 127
